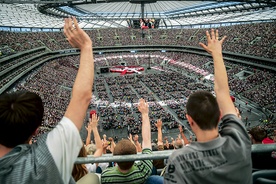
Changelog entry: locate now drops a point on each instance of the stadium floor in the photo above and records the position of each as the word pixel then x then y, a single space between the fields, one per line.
pixel 253 114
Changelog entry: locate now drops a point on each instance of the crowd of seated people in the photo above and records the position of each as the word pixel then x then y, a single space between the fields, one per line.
pixel 118 88
pixel 240 38
pixel 258 87
pixel 8 76
pixel 165 87
pixel 253 45
pixel 263 94
pixel 254 87
pixel 14 61
pixel 6 51
pixel 100 61
pixel 164 90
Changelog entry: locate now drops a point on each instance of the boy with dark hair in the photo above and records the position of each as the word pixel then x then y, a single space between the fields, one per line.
pixel 216 156
pixel 16 110
pixel 203 108
pixel 51 158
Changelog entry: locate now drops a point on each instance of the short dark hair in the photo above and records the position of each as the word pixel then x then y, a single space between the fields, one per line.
pixel 21 114
pixel 125 147
pixel 258 133
pixel 203 107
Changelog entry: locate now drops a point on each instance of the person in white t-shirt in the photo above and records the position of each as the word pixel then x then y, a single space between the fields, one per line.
pixel 21 114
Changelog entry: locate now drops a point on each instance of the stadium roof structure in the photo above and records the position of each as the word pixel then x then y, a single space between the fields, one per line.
pixel 48 14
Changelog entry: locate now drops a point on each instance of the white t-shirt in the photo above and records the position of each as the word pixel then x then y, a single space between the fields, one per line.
pixel 64 143
pixel 92 167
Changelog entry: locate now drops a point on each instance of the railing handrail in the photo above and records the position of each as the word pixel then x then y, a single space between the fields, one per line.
pixel 156 155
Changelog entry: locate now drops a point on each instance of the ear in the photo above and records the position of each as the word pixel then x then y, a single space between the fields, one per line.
pixel 187 116
pixel 35 132
pixel 190 119
pixel 220 115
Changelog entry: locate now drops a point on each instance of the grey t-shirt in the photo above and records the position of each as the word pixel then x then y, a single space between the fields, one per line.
pixel 226 159
pixel 30 164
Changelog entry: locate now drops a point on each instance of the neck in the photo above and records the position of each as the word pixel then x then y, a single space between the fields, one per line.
pixel 123 171
pixel 4 150
pixel 206 135
pixel 257 142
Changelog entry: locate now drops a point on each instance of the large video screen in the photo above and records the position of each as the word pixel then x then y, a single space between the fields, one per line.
pixel 146 23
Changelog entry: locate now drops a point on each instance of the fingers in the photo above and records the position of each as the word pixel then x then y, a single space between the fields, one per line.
pixel 208 36
pixel 217 35
pixel 95 117
pixel 213 42
pixel 76 23
pixel 65 27
pixel 68 29
pixel 141 100
pixel 142 103
pixel 222 40
pixel 203 45
pixel 68 24
pixel 71 27
pixel 213 34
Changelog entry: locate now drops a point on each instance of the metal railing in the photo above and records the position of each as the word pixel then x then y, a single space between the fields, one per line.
pixel 156 155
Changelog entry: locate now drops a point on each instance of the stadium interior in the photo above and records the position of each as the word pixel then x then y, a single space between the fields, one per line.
pixel 142 49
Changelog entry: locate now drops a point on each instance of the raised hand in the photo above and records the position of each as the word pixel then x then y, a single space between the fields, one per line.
pixel 158 124
pixel 214 44
pixel 75 35
pixel 143 107
pixel 88 128
pixel 94 121
pixel 180 128
pixel 130 137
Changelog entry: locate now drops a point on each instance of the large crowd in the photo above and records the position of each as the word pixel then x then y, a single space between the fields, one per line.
pixel 64 86
pixel 54 81
pixel 169 87
pixel 152 85
pixel 241 38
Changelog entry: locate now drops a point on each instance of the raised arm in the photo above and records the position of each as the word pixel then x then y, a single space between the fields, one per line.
pixel 130 138
pixel 136 143
pixel 166 142
pixel 158 125
pixel 173 141
pixel 82 89
pixel 94 126
pixel 112 144
pixel 146 129
pixel 88 138
pixel 104 138
pixel 214 47
pixel 181 131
